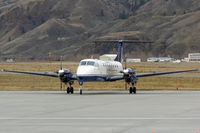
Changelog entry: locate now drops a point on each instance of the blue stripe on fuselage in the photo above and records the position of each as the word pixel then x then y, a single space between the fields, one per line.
pixel 93 78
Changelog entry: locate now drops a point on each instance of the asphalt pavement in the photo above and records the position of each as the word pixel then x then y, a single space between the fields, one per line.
pixel 100 112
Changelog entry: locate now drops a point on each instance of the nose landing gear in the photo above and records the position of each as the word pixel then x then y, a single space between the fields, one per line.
pixel 81 84
pixel 80 90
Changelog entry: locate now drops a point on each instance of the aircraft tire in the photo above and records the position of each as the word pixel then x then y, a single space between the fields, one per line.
pixel 68 90
pixel 81 92
pixel 130 90
pixel 134 90
pixel 72 90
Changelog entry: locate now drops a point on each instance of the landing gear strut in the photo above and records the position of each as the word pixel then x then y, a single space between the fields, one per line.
pixel 81 84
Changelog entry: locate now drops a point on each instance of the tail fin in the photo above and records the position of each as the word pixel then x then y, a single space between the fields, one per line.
pixel 119 52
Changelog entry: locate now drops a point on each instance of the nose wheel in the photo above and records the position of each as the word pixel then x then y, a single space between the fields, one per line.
pixel 80 90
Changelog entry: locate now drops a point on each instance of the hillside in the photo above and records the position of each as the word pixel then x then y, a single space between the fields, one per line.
pixel 31 29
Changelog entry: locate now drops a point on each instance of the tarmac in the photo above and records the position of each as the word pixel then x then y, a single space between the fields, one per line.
pixel 100 112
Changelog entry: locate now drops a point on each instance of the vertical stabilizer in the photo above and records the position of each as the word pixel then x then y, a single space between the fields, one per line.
pixel 119 52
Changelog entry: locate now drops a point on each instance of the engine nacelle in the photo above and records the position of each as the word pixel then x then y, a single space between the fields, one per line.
pixel 65 75
pixel 128 71
pixel 63 71
pixel 129 75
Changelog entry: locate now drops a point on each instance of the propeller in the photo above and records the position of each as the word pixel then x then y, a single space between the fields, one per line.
pixel 64 74
pixel 60 86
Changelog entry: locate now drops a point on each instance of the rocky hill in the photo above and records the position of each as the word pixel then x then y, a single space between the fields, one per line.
pixel 36 29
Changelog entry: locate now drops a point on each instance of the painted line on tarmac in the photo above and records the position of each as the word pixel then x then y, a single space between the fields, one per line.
pixel 103 118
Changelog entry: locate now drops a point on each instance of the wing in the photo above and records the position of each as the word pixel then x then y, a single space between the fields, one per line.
pixel 49 74
pixel 163 73
pixel 115 78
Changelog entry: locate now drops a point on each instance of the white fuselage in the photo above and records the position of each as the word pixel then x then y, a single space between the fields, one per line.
pixel 97 70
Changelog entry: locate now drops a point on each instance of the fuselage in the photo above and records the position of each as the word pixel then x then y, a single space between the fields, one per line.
pixel 98 70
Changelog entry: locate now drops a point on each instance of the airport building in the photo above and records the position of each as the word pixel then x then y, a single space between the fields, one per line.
pixel 152 59
pixel 194 57
pixel 133 60
pixel 160 59
pixel 165 59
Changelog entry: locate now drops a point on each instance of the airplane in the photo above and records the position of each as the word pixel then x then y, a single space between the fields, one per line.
pixel 95 70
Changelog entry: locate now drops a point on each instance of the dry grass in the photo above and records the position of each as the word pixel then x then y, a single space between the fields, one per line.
pixel 29 82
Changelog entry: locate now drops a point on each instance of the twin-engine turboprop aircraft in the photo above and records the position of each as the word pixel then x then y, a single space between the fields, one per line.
pixel 94 70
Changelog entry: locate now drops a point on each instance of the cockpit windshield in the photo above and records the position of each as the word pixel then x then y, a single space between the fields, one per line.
pixel 89 63
pixel 83 63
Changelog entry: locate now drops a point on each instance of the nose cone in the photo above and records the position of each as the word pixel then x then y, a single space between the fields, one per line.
pixel 85 70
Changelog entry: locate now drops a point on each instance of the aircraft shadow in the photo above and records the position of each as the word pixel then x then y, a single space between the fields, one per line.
pixel 76 93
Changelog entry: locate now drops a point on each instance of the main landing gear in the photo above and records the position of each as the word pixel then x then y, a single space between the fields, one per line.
pixel 70 89
pixel 132 89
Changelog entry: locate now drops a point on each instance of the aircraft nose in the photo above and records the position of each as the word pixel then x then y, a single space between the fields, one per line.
pixel 84 70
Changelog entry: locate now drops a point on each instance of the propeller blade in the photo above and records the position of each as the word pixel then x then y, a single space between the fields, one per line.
pixel 61 62
pixel 125 63
pixel 125 85
pixel 58 72
pixel 60 85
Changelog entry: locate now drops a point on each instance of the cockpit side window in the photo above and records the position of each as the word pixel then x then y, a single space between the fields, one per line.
pixel 91 63
pixel 96 64
pixel 83 63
